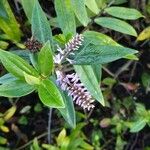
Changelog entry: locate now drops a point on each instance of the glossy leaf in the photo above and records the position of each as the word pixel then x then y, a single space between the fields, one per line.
pixel 117 2
pixel 35 145
pixel 16 65
pixel 124 13
pixel 75 134
pixel 68 112
pixel 3 12
pixel 62 135
pixel 50 95
pixel 88 78
pixel 98 38
pixel 92 5
pixel 3 44
pixel 109 81
pixel 139 125
pixel 101 54
pixel 131 56
pixel 28 8
pixel 41 29
pixel 80 11
pixel 9 113
pixel 33 59
pixel 86 145
pixel 65 16
pixel 146 81
pixel 98 72
pixel 45 60
pixel 10 23
pixel 140 109
pixel 3 141
pixel 15 88
pixel 7 78
pixel 32 80
pixel 23 54
pixel 101 3
pixel 116 24
pixel 144 35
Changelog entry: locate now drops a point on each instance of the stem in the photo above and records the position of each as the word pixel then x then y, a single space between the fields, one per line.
pixel 49 126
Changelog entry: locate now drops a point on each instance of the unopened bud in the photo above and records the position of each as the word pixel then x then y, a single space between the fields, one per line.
pixel 104 123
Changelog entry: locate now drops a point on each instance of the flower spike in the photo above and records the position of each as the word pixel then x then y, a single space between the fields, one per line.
pixel 76 90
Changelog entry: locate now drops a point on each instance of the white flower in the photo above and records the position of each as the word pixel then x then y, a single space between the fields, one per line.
pixel 69 49
pixel 76 90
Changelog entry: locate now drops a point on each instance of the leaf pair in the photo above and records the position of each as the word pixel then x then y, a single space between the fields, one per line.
pixel 117 24
pixel 28 79
pixel 67 10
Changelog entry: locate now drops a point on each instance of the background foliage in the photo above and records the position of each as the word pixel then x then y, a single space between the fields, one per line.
pixel 113 64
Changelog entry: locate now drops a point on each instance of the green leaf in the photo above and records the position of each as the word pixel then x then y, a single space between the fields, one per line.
pixel 65 16
pixel 35 145
pixel 92 5
pixel 15 88
pixel 124 13
pixel 109 81
pixel 62 135
pixel 86 145
pixel 3 140
pixel 101 54
pixel 80 11
pixel 16 65
pixel 144 35
pixel 98 38
pixel 50 95
pixel 38 107
pixel 45 60
pixel 137 126
pixel 3 12
pixel 98 72
pixel 10 26
pixel 101 3
pixel 117 25
pixel 23 120
pixel 7 78
pixel 146 79
pixel 117 2
pixel 75 133
pixel 131 57
pixel 140 109
pixel 3 44
pixel 41 29
pixel 28 8
pixel 68 112
pixel 88 78
pixel 24 54
pixel 33 59
pixel 32 80
pixel 62 140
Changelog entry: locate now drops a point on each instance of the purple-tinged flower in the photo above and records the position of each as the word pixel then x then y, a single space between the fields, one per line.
pixel 76 90
pixel 69 49
pixel 71 82
pixel 74 43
